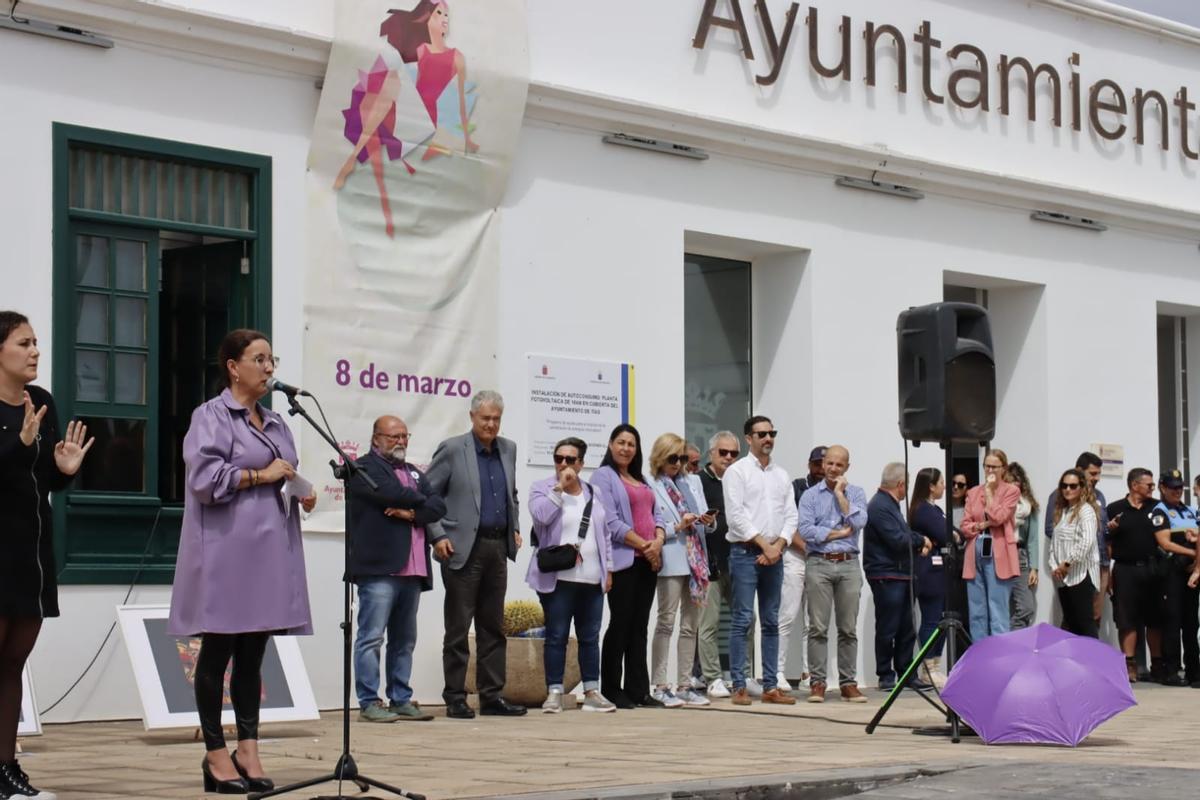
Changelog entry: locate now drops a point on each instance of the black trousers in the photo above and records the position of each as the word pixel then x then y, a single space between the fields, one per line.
pixel 629 603
pixel 1076 604
pixel 245 683
pixel 476 592
pixel 1181 622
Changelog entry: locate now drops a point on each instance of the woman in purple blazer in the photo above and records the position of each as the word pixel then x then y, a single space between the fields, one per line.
pixel 240 575
pixel 637 527
pixel 559 506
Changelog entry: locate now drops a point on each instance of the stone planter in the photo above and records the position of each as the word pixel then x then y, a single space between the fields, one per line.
pixel 525 676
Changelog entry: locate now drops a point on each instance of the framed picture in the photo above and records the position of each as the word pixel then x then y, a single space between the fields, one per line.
pixel 164 667
pixel 29 724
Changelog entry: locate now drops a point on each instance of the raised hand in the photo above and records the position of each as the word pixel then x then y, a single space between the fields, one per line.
pixel 32 422
pixel 69 453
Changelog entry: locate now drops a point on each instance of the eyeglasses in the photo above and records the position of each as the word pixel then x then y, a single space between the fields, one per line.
pixel 727 453
pixel 992 466
pixel 960 484
pixel 1068 486
pixel 765 434
pixel 675 458
pixel 570 461
pixel 260 361
pixel 394 437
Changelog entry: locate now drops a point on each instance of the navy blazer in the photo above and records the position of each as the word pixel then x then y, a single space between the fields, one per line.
pixel 890 547
pixel 379 544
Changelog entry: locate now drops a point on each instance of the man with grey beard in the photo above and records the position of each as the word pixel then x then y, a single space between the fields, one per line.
pixel 390 563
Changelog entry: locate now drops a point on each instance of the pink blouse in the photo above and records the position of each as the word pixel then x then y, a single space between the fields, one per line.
pixel 641 505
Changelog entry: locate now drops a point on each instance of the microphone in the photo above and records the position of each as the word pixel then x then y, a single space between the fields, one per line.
pixel 276 385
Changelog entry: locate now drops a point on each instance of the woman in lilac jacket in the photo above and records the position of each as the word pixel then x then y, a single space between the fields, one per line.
pixel 239 576
pixel 636 525
pixel 558 506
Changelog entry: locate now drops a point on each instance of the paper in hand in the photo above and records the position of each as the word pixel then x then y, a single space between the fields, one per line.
pixel 298 487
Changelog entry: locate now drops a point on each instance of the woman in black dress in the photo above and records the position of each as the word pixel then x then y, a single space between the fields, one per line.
pixel 34 461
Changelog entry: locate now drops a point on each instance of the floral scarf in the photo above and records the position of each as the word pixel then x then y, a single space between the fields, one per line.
pixel 696 559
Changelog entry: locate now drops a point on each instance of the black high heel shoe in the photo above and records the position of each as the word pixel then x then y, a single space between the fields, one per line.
pixel 263 784
pixel 211 784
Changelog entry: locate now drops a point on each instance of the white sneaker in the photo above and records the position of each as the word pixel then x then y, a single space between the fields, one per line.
pixel 718 689
pixel 668 698
pixel 691 697
pixel 753 687
pixel 782 683
pixel 697 684
pixel 594 701
pixel 553 704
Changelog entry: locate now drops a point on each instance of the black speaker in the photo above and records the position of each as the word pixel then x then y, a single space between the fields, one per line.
pixel 947 373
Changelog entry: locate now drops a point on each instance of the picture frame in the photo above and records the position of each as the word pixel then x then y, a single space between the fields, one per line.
pixel 163 666
pixel 29 723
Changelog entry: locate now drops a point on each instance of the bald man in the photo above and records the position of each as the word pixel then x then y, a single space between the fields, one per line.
pixel 389 561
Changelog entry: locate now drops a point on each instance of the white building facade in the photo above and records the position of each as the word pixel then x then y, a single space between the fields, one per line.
pixel 636 255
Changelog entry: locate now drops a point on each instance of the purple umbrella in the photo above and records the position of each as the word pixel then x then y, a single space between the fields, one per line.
pixel 1038 685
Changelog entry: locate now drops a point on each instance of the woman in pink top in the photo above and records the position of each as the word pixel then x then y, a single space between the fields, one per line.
pixel 991 562
pixel 636 525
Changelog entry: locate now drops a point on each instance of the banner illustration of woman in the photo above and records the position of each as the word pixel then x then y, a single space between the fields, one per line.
pixel 395 109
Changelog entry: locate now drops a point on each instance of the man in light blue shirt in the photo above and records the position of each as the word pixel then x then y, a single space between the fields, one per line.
pixel 832 515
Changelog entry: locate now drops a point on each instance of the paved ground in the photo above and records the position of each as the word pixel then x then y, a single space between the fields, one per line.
pixel 655 752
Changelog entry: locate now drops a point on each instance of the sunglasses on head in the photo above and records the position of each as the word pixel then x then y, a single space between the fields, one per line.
pixel 960 484
pixel 570 461
pixel 1065 486
pixel 765 434
pixel 675 458
pixel 727 453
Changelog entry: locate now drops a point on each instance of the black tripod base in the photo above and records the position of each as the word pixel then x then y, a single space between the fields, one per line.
pixel 345 770
pixel 945 731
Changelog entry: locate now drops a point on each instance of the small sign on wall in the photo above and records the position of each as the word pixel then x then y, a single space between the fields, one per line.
pixel 1113 458
pixel 575 397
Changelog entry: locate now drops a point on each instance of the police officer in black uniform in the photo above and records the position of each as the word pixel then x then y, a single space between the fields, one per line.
pixel 1176 535
pixel 1137 587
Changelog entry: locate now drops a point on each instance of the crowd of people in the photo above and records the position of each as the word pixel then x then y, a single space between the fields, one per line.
pixel 675 531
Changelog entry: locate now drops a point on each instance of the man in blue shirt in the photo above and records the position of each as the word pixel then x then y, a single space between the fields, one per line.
pixel 831 516
pixel 1176 534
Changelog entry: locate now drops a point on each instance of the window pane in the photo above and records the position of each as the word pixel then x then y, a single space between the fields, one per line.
pixel 91 376
pixel 92 325
pixel 116 462
pixel 91 261
pixel 131 378
pixel 131 322
pixel 131 265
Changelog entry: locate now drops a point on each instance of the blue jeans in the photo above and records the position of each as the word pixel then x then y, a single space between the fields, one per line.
pixel 894 634
pixel 988 597
pixel 386 604
pixel 583 602
pixel 749 579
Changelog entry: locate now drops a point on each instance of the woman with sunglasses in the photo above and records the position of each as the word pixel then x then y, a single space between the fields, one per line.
pixel 1024 596
pixel 239 576
pixel 637 526
pixel 1073 552
pixel 990 562
pixel 927 519
pixel 560 509
pixel 683 580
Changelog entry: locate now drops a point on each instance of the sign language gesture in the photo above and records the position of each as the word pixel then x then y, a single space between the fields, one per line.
pixel 33 421
pixel 69 453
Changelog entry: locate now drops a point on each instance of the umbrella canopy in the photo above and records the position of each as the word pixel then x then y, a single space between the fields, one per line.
pixel 1038 685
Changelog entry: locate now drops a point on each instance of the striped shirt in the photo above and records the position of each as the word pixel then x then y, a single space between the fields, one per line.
pixel 1074 541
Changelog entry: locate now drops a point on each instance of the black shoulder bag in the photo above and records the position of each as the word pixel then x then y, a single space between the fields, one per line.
pixel 563 556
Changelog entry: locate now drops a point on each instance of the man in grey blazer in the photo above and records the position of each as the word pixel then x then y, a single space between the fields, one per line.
pixel 476 474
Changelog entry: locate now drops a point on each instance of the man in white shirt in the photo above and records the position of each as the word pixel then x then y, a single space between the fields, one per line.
pixel 762 518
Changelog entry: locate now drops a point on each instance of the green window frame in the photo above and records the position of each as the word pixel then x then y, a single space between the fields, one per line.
pixel 122 531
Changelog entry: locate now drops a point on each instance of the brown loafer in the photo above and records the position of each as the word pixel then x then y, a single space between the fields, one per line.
pixel 741 697
pixel 851 694
pixel 816 693
pixel 778 696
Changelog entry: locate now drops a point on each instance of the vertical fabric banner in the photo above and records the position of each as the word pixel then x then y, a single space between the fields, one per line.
pixel 415 132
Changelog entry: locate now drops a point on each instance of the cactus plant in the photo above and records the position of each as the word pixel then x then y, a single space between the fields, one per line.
pixel 521 616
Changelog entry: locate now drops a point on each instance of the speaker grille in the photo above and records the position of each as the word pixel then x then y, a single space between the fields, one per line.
pixel 971 396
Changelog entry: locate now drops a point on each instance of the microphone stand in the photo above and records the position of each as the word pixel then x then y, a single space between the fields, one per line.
pixel 345 769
